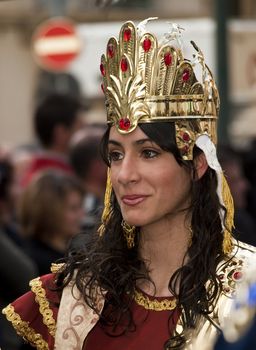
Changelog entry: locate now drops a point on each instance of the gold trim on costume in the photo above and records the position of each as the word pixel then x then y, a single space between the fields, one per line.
pixel 56 267
pixel 24 330
pixel 44 307
pixel 155 305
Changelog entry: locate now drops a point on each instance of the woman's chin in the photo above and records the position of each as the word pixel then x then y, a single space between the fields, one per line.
pixel 135 221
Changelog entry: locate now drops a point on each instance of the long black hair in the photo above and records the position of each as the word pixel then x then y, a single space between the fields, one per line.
pixel 109 264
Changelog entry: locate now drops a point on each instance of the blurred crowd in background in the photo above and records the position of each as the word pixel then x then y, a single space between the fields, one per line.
pixel 48 194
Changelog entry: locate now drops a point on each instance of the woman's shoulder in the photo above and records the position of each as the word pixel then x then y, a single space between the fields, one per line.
pixel 243 250
pixel 240 326
pixel 34 314
pixel 242 256
pixel 230 271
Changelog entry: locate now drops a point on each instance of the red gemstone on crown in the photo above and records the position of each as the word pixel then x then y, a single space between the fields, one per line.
pixel 186 137
pixel 127 34
pixel 185 75
pixel 124 64
pixel 146 44
pixel 124 124
pixel 168 59
pixel 102 69
pixel 111 50
pixel 237 275
pixel 102 87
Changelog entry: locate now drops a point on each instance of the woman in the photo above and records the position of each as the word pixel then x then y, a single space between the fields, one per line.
pixel 162 268
pixel 50 214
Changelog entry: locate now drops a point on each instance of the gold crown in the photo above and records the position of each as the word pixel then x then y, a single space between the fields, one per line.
pixel 146 81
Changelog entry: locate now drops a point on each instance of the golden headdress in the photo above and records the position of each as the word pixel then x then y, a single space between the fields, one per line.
pixel 147 80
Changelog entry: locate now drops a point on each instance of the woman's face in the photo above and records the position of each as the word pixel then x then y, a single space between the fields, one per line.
pixel 72 214
pixel 148 182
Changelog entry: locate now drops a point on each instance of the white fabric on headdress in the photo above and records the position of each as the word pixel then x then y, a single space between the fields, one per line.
pixel 207 146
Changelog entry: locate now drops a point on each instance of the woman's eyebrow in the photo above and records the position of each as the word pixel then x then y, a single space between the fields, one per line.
pixel 114 142
pixel 140 142
pixel 136 142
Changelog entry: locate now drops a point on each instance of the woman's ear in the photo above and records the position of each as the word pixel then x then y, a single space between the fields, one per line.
pixel 201 165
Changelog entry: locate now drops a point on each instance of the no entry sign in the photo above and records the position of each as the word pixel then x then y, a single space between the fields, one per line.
pixel 56 44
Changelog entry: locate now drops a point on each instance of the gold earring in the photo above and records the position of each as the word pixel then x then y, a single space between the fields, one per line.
pixel 129 234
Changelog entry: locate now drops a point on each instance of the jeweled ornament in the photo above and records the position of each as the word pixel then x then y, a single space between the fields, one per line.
pixel 124 65
pixel 185 149
pixel 102 69
pixel 185 75
pixel 237 275
pixel 168 59
pixel 111 50
pixel 127 34
pixel 186 137
pixel 124 124
pixel 146 44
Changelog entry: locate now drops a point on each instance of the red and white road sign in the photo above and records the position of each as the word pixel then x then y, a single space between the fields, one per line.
pixel 56 44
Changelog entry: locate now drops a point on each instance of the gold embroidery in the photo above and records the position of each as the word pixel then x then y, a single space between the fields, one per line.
pixel 156 305
pixel 44 307
pixel 56 267
pixel 24 330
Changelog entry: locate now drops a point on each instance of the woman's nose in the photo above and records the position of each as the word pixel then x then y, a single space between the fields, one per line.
pixel 128 171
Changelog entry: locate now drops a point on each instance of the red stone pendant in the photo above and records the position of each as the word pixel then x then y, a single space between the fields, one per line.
pixel 185 75
pixel 146 44
pixel 127 34
pixel 124 124
pixel 168 58
pixel 111 50
pixel 124 65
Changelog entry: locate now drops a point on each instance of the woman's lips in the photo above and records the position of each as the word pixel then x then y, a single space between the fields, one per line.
pixel 133 199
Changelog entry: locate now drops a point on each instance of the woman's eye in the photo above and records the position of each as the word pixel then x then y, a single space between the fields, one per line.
pixel 114 156
pixel 149 153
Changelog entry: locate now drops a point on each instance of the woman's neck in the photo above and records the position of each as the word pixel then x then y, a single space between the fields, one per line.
pixel 163 246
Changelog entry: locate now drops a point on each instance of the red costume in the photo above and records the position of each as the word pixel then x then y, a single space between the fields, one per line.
pixel 34 316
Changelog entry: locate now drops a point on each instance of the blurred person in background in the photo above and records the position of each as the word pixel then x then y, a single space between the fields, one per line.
pixel 16 268
pixel 231 162
pixel 56 119
pixel 8 199
pixel 21 158
pixel 90 169
pixel 50 214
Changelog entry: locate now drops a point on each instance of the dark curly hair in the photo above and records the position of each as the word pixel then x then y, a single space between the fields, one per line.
pixel 116 269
